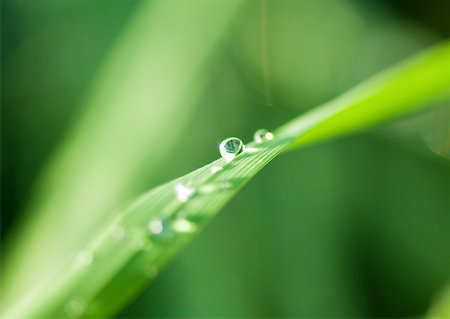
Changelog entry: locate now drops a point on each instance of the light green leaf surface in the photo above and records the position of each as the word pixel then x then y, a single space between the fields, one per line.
pixel 441 305
pixel 133 247
pixel 152 79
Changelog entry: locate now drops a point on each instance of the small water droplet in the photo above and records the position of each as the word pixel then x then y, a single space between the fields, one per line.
pixel 225 185
pixel 84 257
pixel 184 193
pixel 160 229
pixel 230 148
pixel 119 232
pixel 262 135
pixel 214 187
pixel 75 307
pixel 150 271
pixel 216 169
pixel 156 226
pixel 252 149
pixel 183 226
pixel 139 239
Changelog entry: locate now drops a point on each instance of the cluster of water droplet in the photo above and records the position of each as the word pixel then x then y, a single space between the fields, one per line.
pixel 229 149
pixel 161 230
pixel 164 229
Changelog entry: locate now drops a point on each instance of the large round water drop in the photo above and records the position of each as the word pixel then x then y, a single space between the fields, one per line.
pixel 230 148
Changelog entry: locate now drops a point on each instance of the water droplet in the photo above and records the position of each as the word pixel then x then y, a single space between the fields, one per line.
pixel 160 230
pixel 119 232
pixel 156 226
pixel 84 257
pixel 216 169
pixel 75 307
pixel 225 185
pixel 183 226
pixel 252 149
pixel 230 148
pixel 262 135
pixel 139 239
pixel 150 271
pixel 184 193
pixel 214 187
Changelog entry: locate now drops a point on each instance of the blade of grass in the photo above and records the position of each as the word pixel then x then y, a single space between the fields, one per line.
pixel 150 80
pixel 138 242
pixel 440 307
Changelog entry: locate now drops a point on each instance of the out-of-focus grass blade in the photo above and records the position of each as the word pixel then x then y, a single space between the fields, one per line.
pixel 151 80
pixel 133 247
pixel 441 305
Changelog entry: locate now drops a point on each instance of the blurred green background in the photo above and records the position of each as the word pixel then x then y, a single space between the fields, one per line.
pixel 358 227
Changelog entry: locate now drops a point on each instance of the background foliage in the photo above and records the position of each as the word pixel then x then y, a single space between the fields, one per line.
pixel 359 225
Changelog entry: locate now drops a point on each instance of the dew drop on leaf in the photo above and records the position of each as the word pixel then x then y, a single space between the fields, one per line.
pixel 216 169
pixel 160 229
pixel 84 257
pixel 183 192
pixel 119 232
pixel 182 225
pixel 150 271
pixel 156 226
pixel 230 148
pixel 139 239
pixel 75 307
pixel 215 187
pixel 262 135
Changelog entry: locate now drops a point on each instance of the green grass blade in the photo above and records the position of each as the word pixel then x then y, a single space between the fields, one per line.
pixel 390 94
pixel 440 307
pixel 151 80
pixel 131 249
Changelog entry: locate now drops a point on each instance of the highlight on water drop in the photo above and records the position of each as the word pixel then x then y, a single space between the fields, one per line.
pixel 183 192
pixel 230 148
pixel 262 135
